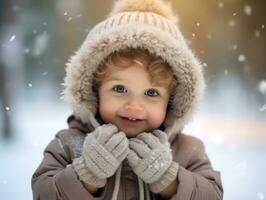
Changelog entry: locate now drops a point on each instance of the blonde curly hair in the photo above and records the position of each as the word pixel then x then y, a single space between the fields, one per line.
pixel 160 73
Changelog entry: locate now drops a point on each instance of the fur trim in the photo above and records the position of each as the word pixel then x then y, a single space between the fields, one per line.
pixel 159 7
pixel 136 30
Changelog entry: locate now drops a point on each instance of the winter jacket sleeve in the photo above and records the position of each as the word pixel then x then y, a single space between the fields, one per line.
pixel 55 178
pixel 197 180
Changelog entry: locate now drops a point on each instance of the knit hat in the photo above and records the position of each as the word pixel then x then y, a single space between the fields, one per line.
pixel 145 24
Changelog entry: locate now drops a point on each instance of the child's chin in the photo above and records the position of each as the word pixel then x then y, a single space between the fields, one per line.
pixel 131 133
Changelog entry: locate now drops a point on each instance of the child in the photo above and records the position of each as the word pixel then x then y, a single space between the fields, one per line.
pixel 133 85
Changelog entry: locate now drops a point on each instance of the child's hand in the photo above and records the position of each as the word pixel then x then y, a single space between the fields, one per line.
pixel 151 159
pixel 103 151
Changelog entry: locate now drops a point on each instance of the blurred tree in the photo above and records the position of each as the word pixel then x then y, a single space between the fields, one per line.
pixel 6 17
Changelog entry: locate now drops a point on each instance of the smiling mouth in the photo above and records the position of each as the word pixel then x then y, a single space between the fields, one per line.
pixel 132 119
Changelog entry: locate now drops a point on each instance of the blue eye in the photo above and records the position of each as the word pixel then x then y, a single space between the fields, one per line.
pixel 119 89
pixel 152 93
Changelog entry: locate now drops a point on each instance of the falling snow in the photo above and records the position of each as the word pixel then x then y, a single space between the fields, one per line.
pixel 40 44
pixel 263 108
pixel 262 87
pixel 257 33
pixel 220 4
pixel 226 72
pixel 13 37
pixel 247 10
pixel 209 36
pixel 29 85
pixel 7 108
pixel 26 50
pixel 232 23
pixel 241 58
pixel 235 47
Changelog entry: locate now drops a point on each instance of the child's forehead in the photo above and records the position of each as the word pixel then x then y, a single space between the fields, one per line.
pixel 133 75
pixel 128 71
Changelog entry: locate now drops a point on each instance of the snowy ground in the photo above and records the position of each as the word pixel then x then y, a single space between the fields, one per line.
pixel 241 161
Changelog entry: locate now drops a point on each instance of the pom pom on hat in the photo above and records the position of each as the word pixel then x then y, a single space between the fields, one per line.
pixel 160 7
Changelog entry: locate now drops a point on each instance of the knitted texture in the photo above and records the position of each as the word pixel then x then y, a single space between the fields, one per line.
pixel 168 177
pixel 103 151
pixel 146 30
pixel 86 175
pixel 150 155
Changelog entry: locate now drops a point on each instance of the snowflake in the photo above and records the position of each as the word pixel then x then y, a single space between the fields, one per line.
pixel 209 36
pixel 235 46
pixel 26 50
pixel 247 10
pixel 257 33
pixel 232 23
pixel 13 37
pixel 263 108
pixel 204 64
pixel 262 87
pixel 241 58
pixel 220 4
pixel 226 72
pixel 40 43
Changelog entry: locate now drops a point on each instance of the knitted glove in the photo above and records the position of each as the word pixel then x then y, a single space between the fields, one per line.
pixel 103 151
pixel 151 159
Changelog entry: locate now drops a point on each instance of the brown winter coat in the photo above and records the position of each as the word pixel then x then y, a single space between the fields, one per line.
pixel 55 178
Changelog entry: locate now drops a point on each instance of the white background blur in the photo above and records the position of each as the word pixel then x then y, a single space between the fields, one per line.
pixel 228 36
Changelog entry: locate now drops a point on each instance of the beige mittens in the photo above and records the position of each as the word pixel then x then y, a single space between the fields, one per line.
pixel 103 151
pixel 151 159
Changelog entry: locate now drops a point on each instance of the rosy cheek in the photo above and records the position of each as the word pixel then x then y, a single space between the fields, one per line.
pixel 106 113
pixel 157 118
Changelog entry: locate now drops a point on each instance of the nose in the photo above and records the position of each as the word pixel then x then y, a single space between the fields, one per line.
pixel 134 105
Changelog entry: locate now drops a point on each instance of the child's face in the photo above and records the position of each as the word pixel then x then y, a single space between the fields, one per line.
pixel 128 100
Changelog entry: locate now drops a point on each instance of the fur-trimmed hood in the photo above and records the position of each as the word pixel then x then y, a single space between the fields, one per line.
pixel 160 35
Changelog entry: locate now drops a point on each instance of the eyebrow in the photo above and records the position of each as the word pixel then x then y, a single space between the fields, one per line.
pixel 113 79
